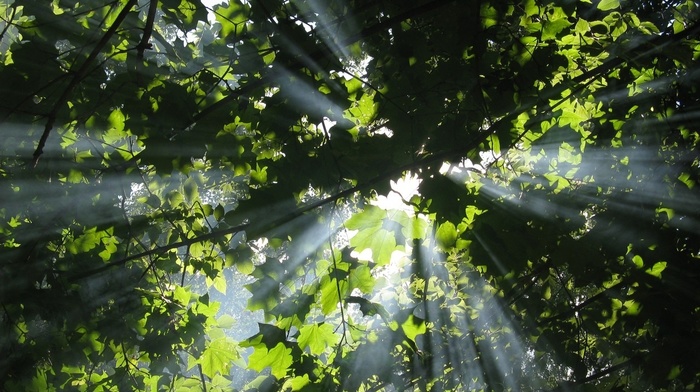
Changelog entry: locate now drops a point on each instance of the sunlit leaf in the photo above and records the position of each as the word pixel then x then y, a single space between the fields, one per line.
pixel 552 29
pixel 446 235
pixel 317 337
pixel 362 279
pixel 182 295
pixel 218 356
pixel 330 298
pixel 413 326
pixel 369 217
pixel 226 321
pixel 219 284
pixel 297 383
pixel 607 5
pixel 657 269
pixel 278 359
pixel 382 243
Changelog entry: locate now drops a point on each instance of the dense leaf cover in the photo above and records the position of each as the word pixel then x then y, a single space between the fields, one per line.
pixel 552 242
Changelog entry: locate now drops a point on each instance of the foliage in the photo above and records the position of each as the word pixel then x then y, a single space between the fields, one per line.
pixel 149 147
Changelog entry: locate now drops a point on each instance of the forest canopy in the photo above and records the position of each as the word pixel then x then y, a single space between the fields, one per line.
pixel 427 195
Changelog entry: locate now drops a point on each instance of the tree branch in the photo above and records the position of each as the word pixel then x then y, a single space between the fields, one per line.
pixel 147 30
pixel 78 76
pixel 572 385
pixel 580 306
pixel 9 22
pixel 607 371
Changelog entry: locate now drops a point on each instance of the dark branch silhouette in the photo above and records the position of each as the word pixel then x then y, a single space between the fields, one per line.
pixel 78 76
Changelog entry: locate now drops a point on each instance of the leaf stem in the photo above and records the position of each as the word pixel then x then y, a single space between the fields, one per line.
pixel 201 377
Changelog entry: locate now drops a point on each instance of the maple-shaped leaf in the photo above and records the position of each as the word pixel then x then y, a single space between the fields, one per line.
pixel 317 337
pixel 279 358
pixel 218 357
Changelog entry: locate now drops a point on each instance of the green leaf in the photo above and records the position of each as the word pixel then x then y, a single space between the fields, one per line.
pixel 219 283
pixel 245 266
pixel 413 326
pixel 329 294
pixel 412 227
pixel 382 243
pixel 89 240
pixel 232 16
pixel 607 5
pixel 191 190
pixel 678 26
pixel 489 15
pixel 686 179
pixel 75 176
pixel 218 356
pixel 657 269
pixel 582 26
pixel 219 212
pixel 205 307
pixel 225 321
pixel 175 198
pixel 278 359
pixel 182 295
pixel 361 278
pixel 551 29
pixel 317 337
pixel 371 216
pixel 446 235
pixel 116 120
pixel 259 175
pixel 371 234
pixel 638 262
pixel 297 383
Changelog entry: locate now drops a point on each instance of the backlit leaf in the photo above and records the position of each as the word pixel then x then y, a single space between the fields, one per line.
pixel 218 356
pixel 317 337
pixel 277 359
pixel 607 5
pixel 446 235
